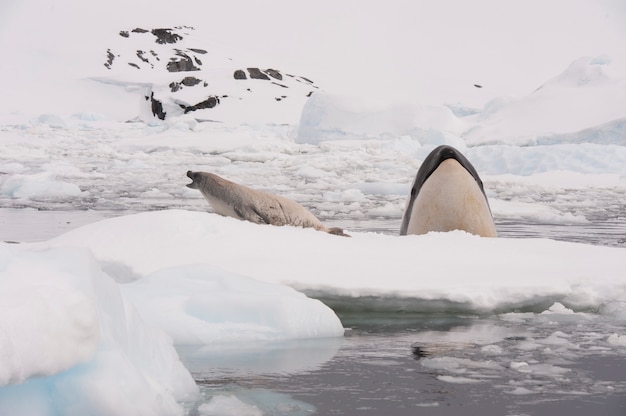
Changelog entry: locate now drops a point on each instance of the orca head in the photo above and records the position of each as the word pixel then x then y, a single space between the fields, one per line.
pixel 430 164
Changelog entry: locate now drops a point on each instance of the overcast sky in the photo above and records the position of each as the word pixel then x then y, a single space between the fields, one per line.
pixel 423 51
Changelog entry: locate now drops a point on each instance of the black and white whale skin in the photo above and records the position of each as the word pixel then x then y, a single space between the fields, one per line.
pixel 447 195
pixel 233 200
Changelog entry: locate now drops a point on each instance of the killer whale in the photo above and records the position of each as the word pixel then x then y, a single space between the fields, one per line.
pixel 447 195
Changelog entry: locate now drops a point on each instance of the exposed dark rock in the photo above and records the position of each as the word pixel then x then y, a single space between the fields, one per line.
pixel 198 61
pixel 166 36
pixel 134 65
pixel 307 80
pixel 124 33
pixel 280 85
pixel 181 65
pixel 200 51
pixel 255 73
pixel 140 54
pixel 240 74
pixel 274 74
pixel 210 102
pixel 157 108
pixel 190 81
pixel 187 82
pixel 309 94
pixel 110 58
pixel 140 30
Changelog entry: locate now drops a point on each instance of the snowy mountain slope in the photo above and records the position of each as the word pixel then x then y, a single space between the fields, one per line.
pixel 587 94
pixel 179 75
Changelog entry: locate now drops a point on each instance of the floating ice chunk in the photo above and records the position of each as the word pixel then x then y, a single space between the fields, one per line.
pixel 560 313
pixel 52 120
pixel 459 365
pixel 349 195
pixel 70 344
pixel 521 366
pixel 313 173
pixel 547 370
pixel 558 308
pixel 492 349
pixel 332 117
pixel 520 391
pixel 557 338
pixel 459 380
pixel 38 185
pixel 617 340
pixel 536 212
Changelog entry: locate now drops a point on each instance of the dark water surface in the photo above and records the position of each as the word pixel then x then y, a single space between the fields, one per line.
pixel 390 365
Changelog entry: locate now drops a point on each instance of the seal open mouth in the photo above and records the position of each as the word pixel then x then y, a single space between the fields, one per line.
pixel 191 185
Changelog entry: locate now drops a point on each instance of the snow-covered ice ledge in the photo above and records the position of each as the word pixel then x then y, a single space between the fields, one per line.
pixel 459 267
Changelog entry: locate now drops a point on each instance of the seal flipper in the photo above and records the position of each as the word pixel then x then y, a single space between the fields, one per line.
pixel 264 219
pixel 337 231
pixel 249 215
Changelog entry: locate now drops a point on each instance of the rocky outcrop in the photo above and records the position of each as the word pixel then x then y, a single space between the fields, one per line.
pixel 183 63
pixel 151 54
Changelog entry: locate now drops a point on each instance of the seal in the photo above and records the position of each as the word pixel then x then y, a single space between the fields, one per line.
pixel 233 200
pixel 447 195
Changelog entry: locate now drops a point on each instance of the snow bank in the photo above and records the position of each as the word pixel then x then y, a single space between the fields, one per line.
pixel 468 271
pixel 69 342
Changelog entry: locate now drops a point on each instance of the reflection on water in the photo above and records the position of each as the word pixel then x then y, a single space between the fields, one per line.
pixel 287 357
pixel 432 364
